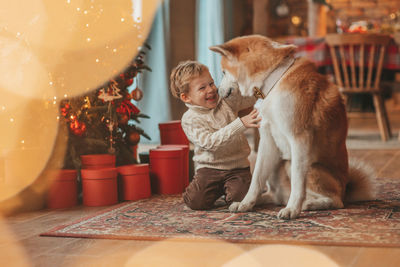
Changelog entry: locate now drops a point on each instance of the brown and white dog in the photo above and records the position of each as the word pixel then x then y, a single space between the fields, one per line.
pixel 302 156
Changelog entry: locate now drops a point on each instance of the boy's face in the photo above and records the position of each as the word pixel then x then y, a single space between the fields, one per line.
pixel 202 91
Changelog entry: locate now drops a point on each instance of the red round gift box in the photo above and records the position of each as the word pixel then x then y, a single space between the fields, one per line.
pixel 171 133
pixel 99 187
pixel 63 191
pixel 185 162
pixel 135 181
pixel 166 170
pixel 98 161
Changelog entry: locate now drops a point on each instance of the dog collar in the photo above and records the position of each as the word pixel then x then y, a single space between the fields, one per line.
pixel 273 78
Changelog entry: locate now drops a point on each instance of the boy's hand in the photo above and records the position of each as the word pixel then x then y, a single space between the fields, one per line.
pixel 251 120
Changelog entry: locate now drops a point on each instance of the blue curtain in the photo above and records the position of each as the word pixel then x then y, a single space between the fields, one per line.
pixel 155 84
pixel 209 32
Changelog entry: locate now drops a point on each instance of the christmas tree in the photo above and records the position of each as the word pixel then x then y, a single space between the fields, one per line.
pixel 105 121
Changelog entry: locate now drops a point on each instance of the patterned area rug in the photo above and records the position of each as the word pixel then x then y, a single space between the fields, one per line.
pixel 372 223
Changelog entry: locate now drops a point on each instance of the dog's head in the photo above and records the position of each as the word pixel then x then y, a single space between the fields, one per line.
pixel 247 61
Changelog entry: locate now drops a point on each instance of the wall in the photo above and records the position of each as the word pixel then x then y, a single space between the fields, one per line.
pixel 182 31
pixel 182 25
pixel 366 4
pixel 374 11
pixel 355 9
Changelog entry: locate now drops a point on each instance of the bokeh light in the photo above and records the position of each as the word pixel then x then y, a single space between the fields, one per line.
pixel 283 256
pixel 51 50
pixel 296 20
pixel 16 255
pixel 180 252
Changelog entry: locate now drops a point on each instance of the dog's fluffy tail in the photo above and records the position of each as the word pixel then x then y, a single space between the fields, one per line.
pixel 360 186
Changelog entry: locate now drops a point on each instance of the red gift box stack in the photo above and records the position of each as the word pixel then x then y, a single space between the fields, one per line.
pixel 169 162
pixel 168 172
pixel 171 133
pixel 63 191
pixel 135 181
pixel 100 183
pixel 99 180
pixel 185 161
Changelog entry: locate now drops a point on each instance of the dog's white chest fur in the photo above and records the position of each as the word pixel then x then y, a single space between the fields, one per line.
pixel 281 142
pixel 277 116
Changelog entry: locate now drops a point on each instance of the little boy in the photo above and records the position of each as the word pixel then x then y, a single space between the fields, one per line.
pixel 212 125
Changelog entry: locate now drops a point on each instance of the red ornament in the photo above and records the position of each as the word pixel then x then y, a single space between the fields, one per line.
pixel 134 138
pixel 108 123
pixel 128 108
pixel 64 112
pixel 77 128
pixel 128 97
pixel 124 119
pixel 65 109
pixel 137 94
pixel 129 82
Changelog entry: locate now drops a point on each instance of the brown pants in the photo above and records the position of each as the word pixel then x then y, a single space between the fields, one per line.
pixel 210 184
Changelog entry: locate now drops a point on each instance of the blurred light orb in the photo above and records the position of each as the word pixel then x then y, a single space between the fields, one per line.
pixel 47 52
pixel 11 252
pixel 283 256
pixel 296 20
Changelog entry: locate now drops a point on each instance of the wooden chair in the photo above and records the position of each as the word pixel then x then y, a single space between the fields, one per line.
pixel 365 51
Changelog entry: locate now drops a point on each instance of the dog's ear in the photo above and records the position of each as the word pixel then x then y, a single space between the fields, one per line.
pixel 289 48
pixel 224 49
pixel 284 49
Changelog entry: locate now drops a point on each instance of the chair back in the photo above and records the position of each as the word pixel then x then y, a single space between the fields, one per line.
pixel 351 50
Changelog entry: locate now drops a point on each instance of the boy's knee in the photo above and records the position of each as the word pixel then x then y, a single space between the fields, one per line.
pixel 197 201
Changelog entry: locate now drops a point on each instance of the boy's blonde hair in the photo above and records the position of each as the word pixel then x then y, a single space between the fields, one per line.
pixel 183 74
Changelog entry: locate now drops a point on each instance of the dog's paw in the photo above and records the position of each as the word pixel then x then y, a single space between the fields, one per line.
pixel 240 207
pixel 288 213
pixel 234 207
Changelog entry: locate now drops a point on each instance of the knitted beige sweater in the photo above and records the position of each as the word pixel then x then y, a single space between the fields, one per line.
pixel 218 134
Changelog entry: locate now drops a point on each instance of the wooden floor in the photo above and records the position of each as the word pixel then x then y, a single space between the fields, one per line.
pixel 20 244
